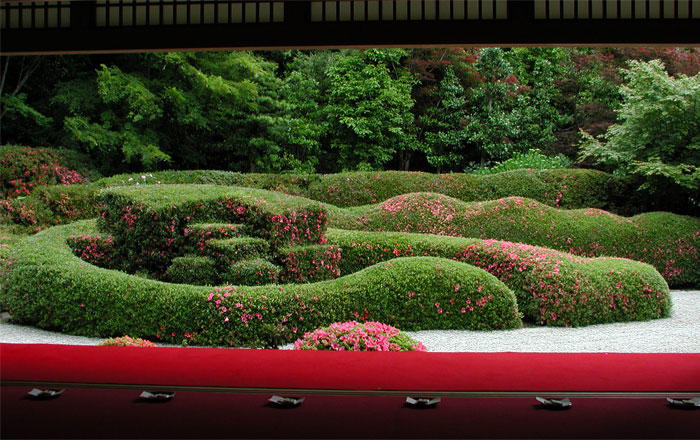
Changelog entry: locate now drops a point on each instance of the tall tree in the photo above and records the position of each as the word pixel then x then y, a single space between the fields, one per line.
pixel 444 122
pixel 369 109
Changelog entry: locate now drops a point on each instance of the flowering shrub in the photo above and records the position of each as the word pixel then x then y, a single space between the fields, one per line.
pixel 355 336
pixel 197 235
pixel 149 222
pixel 552 287
pixel 669 242
pixel 24 168
pixel 48 287
pixel 126 341
pixel 308 264
pixel 97 250
pixel 252 272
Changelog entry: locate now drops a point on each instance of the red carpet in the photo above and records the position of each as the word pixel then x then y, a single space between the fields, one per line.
pixel 115 413
pixel 363 371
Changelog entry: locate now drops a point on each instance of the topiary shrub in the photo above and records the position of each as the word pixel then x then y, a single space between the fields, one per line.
pixel 97 250
pixel 574 188
pixel 126 341
pixel 231 250
pixel 307 264
pixel 669 242
pixel 553 288
pixel 192 269
pixel 355 336
pixel 197 235
pixel 149 222
pixel 252 272
pixel 49 287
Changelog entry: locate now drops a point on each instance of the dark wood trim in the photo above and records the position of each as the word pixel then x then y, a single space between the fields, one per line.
pixel 297 30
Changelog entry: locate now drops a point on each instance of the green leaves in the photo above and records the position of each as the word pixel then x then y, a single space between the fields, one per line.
pixel 658 136
pixel 369 105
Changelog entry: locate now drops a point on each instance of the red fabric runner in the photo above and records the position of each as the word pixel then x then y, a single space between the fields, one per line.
pixel 375 371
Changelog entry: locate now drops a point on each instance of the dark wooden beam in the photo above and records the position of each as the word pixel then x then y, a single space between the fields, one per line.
pixel 299 31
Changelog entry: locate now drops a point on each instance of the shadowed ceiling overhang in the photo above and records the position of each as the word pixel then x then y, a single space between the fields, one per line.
pixel 135 25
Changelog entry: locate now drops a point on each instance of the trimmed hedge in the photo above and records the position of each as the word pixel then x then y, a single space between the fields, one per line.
pixel 568 188
pixel 669 242
pixel 193 269
pixel 252 272
pixel 231 250
pixel 149 222
pixel 308 264
pixel 51 288
pixel 197 235
pixel 552 288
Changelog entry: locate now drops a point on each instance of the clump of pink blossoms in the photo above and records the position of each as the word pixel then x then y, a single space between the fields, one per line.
pixel 127 341
pixel 356 336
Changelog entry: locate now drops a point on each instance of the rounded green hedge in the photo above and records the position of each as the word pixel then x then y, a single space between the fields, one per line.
pixel 669 242
pixel 51 288
pixel 552 287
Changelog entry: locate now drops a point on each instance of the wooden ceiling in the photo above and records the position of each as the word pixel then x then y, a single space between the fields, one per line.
pixel 84 26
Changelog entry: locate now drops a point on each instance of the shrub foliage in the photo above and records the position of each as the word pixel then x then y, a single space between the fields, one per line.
pixel 669 242
pixel 411 293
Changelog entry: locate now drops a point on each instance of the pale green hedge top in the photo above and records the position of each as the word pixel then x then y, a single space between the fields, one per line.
pixel 158 197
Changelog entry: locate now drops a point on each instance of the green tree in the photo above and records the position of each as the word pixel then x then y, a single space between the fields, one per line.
pixel 196 110
pixel 658 136
pixel 443 123
pixel 369 109
pixel 306 89
pixel 491 126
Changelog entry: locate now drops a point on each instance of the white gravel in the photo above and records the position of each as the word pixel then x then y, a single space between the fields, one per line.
pixel 678 334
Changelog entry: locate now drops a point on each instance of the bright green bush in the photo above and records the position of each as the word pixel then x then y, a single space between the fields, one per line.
pixel 669 242
pixel 51 288
pixel 657 138
pixel 193 269
pixel 532 159
pixel 252 272
pixel 552 288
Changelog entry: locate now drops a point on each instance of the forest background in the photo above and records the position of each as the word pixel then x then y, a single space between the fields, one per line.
pixel 633 111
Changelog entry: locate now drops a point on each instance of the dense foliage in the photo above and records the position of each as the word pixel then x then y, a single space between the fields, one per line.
pixel 669 242
pixel 324 111
pixel 89 300
pixel 231 246
pixel 658 136
pixel 552 287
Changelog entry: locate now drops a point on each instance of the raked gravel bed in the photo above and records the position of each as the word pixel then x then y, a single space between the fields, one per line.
pixel 678 334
